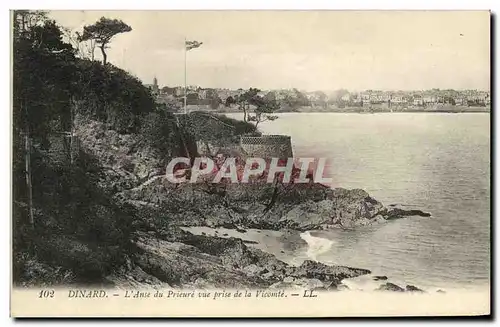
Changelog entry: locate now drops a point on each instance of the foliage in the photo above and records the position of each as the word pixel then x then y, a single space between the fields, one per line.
pixel 214 128
pixel 214 103
pixel 78 225
pixel 296 99
pixel 229 101
pixel 262 107
pixel 240 127
pixel 83 49
pixel 103 31
pixel 111 95
pixel 41 95
pixel 158 131
pixel 81 232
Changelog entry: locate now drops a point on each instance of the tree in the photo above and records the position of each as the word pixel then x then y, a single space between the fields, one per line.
pixel 52 196
pixel 262 108
pixel 84 49
pixel 229 101
pixel 25 20
pixel 102 32
pixel 246 100
pixel 270 96
pixel 264 112
pixel 320 99
pixel 215 102
pixel 42 79
pixel 301 98
pixel 338 94
pixel 41 95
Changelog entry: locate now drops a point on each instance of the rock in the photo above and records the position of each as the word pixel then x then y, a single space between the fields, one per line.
pixel 390 287
pixel 135 175
pixel 252 270
pixel 395 213
pixel 283 285
pixel 310 283
pixel 240 206
pixel 440 291
pixel 200 283
pixel 411 288
pixel 267 275
pixel 135 278
pixel 379 277
pixel 179 264
pixel 317 270
pixel 301 283
pixel 342 287
pixel 181 259
pixel 378 219
pixel 291 240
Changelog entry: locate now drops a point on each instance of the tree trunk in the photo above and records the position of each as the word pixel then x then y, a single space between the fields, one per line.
pixel 104 56
pixel 28 179
pixel 244 113
pixel 92 51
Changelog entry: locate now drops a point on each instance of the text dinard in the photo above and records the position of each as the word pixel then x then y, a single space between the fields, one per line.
pixel 178 294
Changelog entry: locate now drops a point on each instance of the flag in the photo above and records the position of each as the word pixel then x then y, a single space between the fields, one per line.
pixel 192 45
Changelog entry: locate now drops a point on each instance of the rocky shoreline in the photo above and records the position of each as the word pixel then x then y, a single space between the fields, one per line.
pixel 263 206
pixel 180 259
pixel 164 255
pixel 169 256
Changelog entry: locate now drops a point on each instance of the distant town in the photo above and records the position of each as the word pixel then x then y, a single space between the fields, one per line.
pixel 342 100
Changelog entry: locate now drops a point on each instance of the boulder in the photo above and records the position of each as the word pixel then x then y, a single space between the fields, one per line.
pixel 395 213
pixel 379 277
pixel 182 259
pixel 411 288
pixel 317 270
pixel 301 283
pixel 390 287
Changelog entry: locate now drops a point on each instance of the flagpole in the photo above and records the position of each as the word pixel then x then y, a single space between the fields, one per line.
pixel 185 77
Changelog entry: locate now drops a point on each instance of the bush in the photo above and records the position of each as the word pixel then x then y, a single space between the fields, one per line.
pixel 240 127
pixel 78 225
pixel 158 131
pixel 110 94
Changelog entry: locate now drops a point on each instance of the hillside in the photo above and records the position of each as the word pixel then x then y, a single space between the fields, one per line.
pixel 92 206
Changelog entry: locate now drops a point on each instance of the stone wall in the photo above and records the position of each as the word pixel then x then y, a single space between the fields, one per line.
pixel 267 146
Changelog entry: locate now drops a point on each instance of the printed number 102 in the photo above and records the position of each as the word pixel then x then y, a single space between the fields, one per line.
pixel 46 293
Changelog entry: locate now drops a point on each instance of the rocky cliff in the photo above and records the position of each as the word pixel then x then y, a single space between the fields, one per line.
pixel 174 258
pixel 262 206
pixel 166 255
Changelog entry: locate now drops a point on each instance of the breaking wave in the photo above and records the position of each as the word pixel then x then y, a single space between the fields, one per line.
pixel 316 245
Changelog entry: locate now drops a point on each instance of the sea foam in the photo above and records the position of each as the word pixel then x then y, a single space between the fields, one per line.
pixel 316 245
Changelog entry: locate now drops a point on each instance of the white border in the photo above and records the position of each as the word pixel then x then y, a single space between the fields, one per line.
pixel 181 4
pixel 256 4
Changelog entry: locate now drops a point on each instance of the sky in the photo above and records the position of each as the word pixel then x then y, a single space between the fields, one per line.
pixel 307 50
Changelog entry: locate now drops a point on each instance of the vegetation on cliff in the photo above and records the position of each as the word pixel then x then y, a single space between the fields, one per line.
pixel 67 224
pixel 88 209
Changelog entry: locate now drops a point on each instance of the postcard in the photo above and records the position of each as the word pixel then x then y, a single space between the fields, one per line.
pixel 250 163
